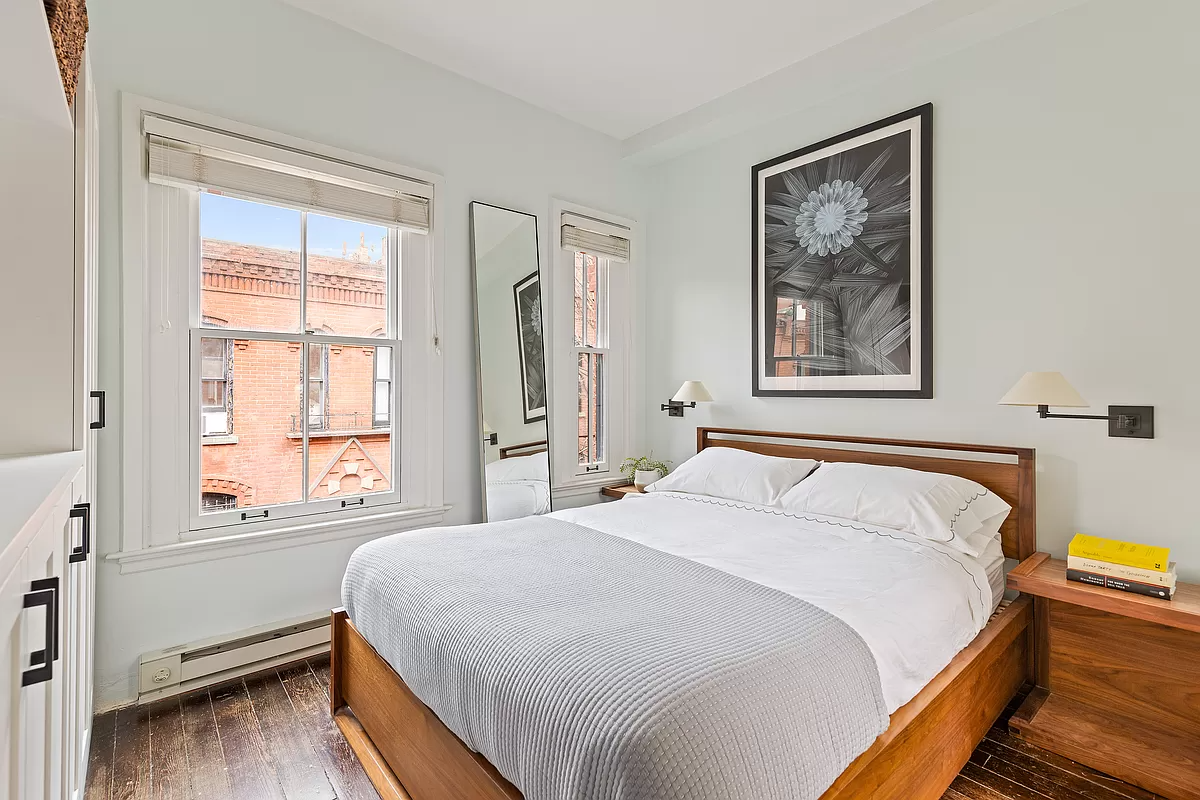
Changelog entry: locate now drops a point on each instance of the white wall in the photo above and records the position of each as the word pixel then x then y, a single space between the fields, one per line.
pixel 1065 179
pixel 270 65
pixel 499 269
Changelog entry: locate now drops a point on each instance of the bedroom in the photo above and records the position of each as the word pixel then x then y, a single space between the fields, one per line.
pixel 1040 242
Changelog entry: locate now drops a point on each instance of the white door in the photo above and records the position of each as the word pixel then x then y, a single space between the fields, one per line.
pixel 78 591
pixel 15 660
pixel 42 701
pixel 80 574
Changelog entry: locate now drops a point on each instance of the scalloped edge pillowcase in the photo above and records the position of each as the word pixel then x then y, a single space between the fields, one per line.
pixel 733 474
pixel 955 511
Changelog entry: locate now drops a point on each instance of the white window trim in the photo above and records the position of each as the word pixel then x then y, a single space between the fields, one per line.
pixel 421 418
pixel 623 374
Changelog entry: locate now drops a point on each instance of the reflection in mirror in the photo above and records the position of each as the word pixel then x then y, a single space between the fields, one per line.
pixel 512 363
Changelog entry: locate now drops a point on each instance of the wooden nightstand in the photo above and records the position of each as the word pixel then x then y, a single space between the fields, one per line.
pixel 617 492
pixel 1118 679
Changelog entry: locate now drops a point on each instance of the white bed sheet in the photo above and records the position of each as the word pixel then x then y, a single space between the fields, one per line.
pixel 517 498
pixel 915 603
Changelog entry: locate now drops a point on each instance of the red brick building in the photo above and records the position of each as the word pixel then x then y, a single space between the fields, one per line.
pixel 251 390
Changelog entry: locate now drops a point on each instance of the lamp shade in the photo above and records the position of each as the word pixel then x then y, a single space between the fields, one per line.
pixel 692 392
pixel 1043 389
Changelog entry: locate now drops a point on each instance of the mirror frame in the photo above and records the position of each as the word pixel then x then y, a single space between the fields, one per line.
pixel 479 428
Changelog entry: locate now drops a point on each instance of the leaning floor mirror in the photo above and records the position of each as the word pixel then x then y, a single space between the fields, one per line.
pixel 512 363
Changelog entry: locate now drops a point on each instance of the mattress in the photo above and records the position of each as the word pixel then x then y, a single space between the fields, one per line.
pixel 914 602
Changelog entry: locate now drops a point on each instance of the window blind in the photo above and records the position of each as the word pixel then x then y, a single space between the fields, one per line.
pixel 180 155
pixel 583 234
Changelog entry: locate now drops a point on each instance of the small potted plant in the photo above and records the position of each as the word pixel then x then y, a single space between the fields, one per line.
pixel 643 470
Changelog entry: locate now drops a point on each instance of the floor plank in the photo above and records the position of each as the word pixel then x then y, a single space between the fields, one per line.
pixel 296 763
pixel 131 757
pixel 168 759
pixel 202 747
pixel 310 698
pixel 251 773
pixel 270 736
pixel 100 758
pixel 1003 737
pixel 1067 779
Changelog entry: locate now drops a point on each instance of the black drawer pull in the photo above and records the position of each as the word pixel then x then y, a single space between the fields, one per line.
pixel 97 423
pixel 260 515
pixel 82 511
pixel 44 593
pixel 359 502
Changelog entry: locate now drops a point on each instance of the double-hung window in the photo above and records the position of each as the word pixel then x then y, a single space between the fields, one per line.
pixel 291 294
pixel 593 322
pixel 590 353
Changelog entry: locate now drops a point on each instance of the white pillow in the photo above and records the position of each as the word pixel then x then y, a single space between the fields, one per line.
pixel 534 467
pixel 734 474
pixel 941 508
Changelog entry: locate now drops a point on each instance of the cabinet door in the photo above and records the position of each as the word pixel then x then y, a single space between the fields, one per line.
pixel 15 660
pixel 41 703
pixel 78 594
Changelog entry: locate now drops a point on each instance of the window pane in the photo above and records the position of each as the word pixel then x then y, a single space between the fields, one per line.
pixel 264 466
pixel 352 454
pixel 249 265
pixel 587 306
pixel 591 408
pixel 347 277
pixel 383 363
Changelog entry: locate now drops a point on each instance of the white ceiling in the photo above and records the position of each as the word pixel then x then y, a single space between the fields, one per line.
pixel 620 66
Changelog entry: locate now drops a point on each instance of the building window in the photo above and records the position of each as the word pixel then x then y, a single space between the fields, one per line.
pixel 318 384
pixel 381 401
pixel 216 390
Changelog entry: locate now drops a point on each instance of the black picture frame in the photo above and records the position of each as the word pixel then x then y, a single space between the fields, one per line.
pixel 530 349
pixel 866 141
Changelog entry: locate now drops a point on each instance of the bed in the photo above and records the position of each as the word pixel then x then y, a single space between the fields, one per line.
pixel 518 484
pixel 935 714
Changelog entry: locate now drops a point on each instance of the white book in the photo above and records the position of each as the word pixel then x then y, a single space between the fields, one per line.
pixel 1149 576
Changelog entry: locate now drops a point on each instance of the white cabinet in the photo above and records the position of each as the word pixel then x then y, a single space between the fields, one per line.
pixel 45 609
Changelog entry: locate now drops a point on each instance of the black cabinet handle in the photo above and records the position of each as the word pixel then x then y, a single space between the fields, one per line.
pixel 43 592
pixel 98 423
pixel 82 511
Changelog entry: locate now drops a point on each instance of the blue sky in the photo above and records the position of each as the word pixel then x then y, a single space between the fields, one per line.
pixel 241 221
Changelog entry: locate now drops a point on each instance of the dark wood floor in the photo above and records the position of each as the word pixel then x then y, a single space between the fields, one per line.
pixel 270 736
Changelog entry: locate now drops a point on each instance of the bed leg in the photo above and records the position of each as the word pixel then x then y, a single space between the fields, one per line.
pixel 337 647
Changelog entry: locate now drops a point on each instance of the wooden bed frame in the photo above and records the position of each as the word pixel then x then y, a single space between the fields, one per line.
pixel 410 755
pixel 524 449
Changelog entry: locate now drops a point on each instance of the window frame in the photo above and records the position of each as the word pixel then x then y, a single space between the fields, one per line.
pixel 155 508
pixel 621 380
pixel 601 349
pixel 201 524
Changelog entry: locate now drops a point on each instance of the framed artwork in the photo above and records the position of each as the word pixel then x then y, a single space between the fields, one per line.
pixel 527 295
pixel 843 262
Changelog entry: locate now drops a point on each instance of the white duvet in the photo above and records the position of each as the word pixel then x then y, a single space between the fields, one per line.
pixel 915 603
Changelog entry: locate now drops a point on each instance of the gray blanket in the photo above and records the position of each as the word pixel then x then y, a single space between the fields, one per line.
pixel 583 665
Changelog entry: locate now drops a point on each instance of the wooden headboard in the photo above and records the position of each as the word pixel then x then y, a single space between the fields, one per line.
pixel 1012 478
pixel 524 449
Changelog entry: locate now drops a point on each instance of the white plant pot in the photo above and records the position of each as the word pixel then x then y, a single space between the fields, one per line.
pixel 644 477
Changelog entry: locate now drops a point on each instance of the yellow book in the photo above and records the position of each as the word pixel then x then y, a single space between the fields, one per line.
pixel 1143 556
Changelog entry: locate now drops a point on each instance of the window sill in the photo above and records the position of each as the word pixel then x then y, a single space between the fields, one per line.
pixel 580 486
pixel 194 552
pixel 229 438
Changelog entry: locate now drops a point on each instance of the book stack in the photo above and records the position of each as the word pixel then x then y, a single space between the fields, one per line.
pixel 1137 568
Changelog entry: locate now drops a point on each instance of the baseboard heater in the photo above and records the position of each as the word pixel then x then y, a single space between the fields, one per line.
pixel 185 667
